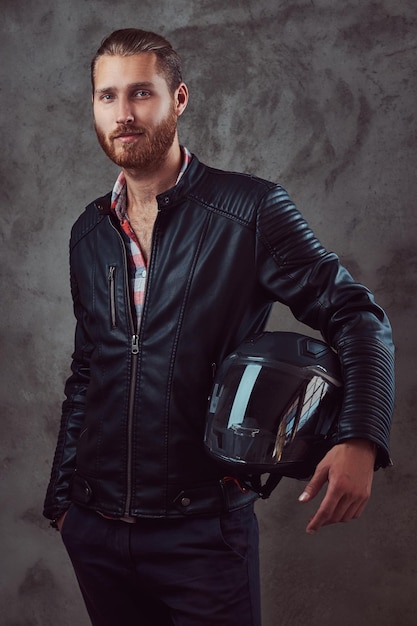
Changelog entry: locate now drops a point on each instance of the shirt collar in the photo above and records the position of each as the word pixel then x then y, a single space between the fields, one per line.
pixel 119 195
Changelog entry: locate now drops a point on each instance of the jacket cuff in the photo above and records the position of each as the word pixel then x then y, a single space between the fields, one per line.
pixel 368 375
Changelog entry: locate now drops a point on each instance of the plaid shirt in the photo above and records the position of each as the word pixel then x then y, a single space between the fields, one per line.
pixel 137 263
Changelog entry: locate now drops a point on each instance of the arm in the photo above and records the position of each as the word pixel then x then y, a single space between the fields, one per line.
pixel 57 499
pixel 299 272
pixel 366 411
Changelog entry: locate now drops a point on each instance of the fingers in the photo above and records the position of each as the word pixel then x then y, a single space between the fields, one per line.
pixel 334 510
pixel 348 468
pixel 315 484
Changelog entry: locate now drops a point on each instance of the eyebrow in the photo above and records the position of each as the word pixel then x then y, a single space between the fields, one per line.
pixel 139 85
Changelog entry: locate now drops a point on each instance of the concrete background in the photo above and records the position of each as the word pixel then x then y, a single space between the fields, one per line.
pixel 317 94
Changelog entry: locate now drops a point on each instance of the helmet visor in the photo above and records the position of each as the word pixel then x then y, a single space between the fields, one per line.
pixel 263 414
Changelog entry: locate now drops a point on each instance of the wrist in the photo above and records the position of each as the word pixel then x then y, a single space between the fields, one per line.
pixel 362 444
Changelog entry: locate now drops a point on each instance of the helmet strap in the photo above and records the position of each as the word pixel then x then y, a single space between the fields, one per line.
pixel 264 490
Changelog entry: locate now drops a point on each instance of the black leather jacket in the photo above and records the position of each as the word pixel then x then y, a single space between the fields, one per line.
pixel 225 247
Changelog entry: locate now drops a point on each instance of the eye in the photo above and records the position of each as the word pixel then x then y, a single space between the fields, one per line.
pixel 142 93
pixel 106 97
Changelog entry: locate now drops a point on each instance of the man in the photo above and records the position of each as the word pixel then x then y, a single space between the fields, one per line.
pixel 169 273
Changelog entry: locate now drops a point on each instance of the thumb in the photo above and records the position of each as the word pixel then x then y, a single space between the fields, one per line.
pixel 313 487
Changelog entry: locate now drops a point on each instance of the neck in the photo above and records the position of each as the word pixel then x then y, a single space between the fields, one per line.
pixel 144 185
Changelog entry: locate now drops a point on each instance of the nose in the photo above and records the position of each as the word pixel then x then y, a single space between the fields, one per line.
pixel 124 112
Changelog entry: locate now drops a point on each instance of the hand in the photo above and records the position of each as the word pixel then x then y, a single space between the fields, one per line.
pixel 60 521
pixel 349 468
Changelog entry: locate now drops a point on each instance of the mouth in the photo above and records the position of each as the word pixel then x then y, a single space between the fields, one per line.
pixel 127 137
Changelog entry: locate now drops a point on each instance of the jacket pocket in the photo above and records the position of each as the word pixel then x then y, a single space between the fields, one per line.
pixel 112 296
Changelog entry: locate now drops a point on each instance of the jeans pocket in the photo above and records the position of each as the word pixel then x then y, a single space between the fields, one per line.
pixel 239 529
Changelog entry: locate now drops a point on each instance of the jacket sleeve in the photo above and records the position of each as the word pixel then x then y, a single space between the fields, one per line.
pixel 57 499
pixel 296 270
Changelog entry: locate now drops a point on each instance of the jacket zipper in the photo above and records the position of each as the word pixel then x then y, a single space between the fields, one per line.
pixel 130 417
pixel 134 348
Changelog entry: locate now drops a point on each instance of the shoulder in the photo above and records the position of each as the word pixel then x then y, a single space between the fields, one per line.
pixel 233 192
pixel 232 180
pixel 90 218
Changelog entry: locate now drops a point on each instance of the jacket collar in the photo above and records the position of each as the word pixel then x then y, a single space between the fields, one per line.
pixel 165 199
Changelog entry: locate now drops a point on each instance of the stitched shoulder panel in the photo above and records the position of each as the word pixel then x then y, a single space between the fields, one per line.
pixel 233 194
pixel 88 220
pixel 284 231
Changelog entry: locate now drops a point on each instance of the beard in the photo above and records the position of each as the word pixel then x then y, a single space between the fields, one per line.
pixel 149 152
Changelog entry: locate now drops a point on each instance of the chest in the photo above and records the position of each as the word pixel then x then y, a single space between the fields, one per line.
pixel 142 223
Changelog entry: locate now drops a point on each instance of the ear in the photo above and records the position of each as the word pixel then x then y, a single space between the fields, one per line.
pixel 181 98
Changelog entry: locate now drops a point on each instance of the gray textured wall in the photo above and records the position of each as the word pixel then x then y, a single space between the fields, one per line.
pixel 318 94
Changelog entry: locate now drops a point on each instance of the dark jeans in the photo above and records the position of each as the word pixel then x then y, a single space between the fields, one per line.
pixel 194 571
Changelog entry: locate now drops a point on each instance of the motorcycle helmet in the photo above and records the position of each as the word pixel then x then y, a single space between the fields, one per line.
pixel 274 406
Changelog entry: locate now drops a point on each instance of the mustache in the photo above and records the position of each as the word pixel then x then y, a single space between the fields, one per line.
pixel 127 129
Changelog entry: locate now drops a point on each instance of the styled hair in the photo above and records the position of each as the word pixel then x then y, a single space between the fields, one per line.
pixel 130 41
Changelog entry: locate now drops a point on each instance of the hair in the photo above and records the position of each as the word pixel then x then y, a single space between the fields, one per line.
pixel 130 41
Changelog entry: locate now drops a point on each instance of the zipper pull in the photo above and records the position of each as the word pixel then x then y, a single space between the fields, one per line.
pixel 112 269
pixel 135 344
